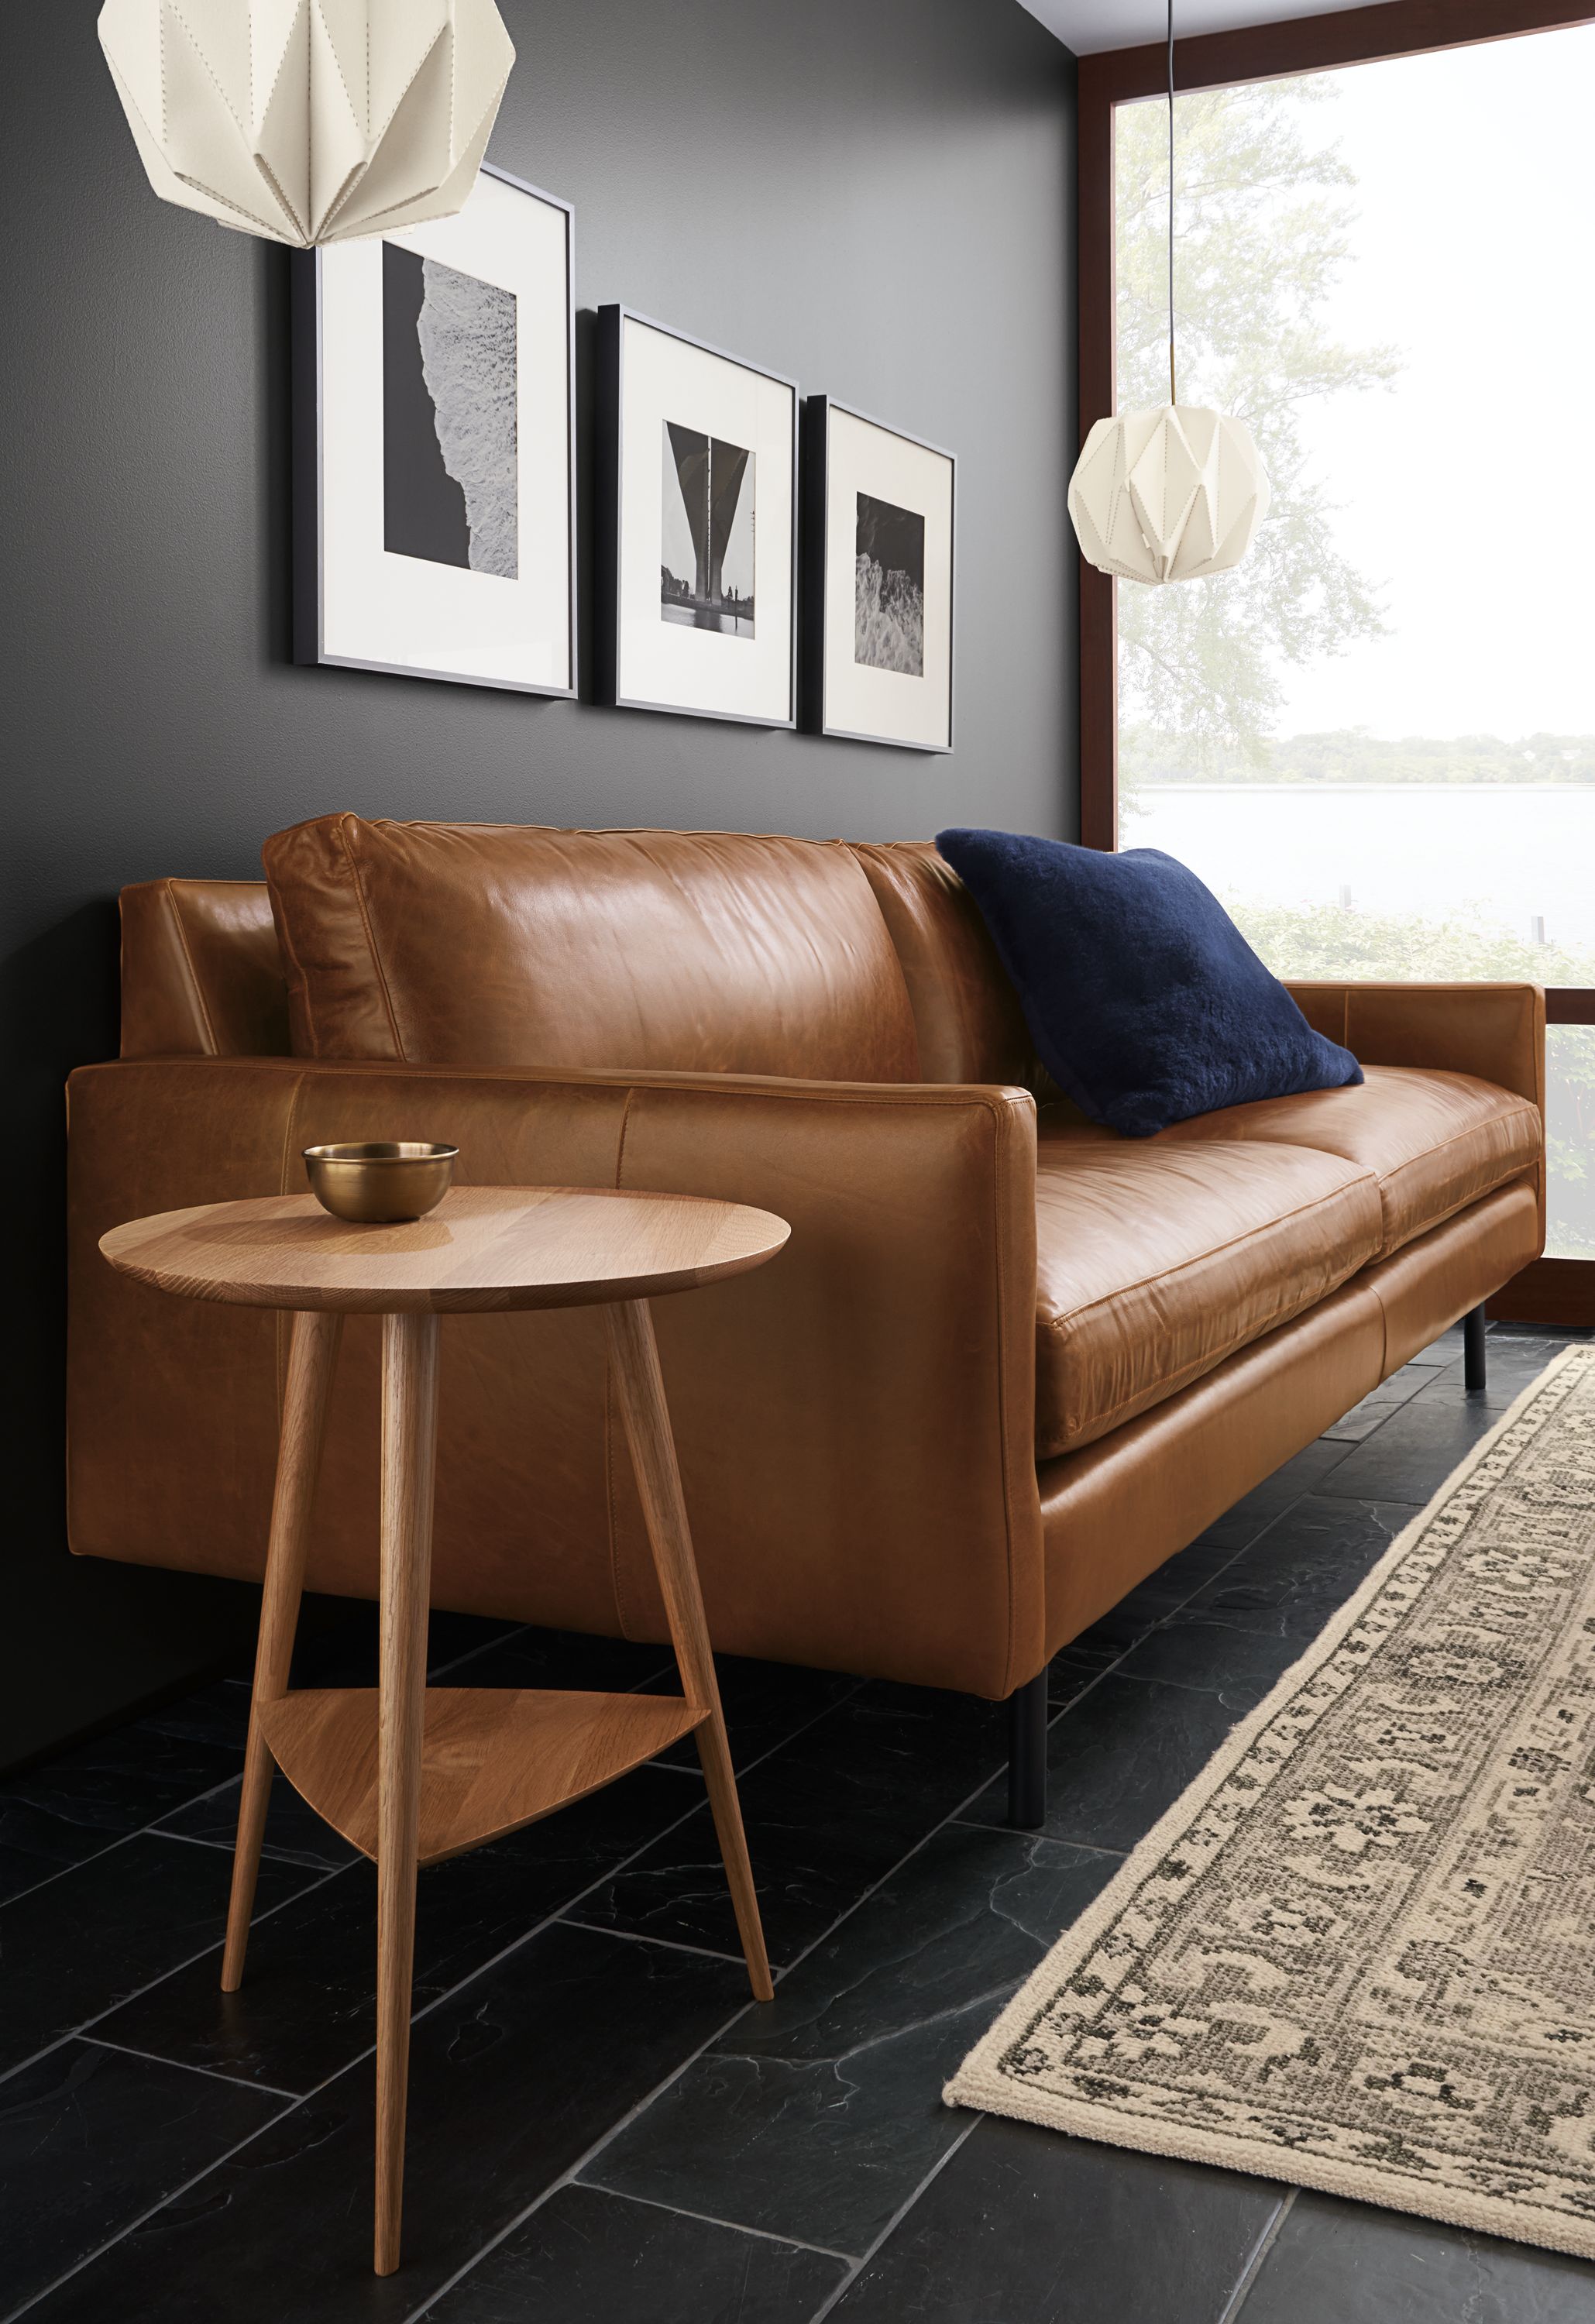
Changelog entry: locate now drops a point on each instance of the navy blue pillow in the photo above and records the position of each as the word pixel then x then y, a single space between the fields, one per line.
pixel 1145 1001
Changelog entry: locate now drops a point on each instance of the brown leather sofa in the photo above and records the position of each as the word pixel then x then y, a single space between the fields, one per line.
pixel 1008 1362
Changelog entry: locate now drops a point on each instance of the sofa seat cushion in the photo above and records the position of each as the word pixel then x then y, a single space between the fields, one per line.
pixel 1436 1141
pixel 1156 1260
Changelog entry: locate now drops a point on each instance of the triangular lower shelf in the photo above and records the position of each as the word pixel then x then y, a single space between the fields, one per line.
pixel 494 1758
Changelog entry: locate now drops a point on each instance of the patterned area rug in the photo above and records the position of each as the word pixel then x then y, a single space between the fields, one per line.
pixel 1359 1954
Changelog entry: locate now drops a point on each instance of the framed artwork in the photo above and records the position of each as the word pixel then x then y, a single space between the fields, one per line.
pixel 434 467
pixel 878 565
pixel 697 533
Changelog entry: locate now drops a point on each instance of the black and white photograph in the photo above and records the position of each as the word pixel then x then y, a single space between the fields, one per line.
pixel 434 512
pixel 451 482
pixel 878 590
pixel 889 588
pixel 706 578
pixel 696 460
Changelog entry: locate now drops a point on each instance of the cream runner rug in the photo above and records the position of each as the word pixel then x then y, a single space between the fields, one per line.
pixel 1359 1954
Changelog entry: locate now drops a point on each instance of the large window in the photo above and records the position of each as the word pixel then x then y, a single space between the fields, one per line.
pixel 1376 739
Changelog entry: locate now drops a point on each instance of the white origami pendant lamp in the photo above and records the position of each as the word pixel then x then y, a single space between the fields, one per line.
pixel 309 121
pixel 1167 495
pixel 1173 493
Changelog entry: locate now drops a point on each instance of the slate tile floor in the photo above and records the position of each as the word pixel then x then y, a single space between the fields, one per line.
pixel 602 2127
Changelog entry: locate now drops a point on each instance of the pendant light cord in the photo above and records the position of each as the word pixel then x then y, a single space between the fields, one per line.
pixel 1172 397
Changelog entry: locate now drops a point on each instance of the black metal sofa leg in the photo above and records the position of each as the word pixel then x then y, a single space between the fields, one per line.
pixel 1027 1755
pixel 1473 1364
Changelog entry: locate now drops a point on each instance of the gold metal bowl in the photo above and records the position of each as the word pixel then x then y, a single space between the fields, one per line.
pixel 381 1183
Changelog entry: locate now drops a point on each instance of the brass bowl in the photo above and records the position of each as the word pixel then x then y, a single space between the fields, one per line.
pixel 381 1183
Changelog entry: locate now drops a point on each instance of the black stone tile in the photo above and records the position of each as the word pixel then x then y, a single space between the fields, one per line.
pixel 765 1705
pixel 510 2082
pixel 1168 1586
pixel 1123 1626
pixel 293 1829
pixel 815 2116
pixel 1376 1407
pixel 825 1817
pixel 214 1714
pixel 1182 1577
pixel 90 2139
pixel 1027 2226
pixel 82 1943
pixel 307 2007
pixel 1304 1567
pixel 1336 2263
pixel 1303 1473
pixel 1510 1367
pixel 1237 1665
pixel 1118 1757
pixel 66 1810
pixel 1415 1450
pixel 585 2257
pixel 21 1869
pixel 1071 1670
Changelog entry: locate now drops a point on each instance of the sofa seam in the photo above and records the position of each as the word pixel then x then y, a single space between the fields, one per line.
pixel 851 849
pixel 193 976
pixel 587 1078
pixel 370 942
pixel 295 983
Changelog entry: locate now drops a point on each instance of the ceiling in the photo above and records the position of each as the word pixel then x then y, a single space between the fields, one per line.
pixel 1087 25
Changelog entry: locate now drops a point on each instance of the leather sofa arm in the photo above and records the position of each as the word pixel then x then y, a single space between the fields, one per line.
pixel 854 1421
pixel 1495 1031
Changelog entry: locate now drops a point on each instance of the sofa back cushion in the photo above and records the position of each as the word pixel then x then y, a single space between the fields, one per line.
pixel 497 945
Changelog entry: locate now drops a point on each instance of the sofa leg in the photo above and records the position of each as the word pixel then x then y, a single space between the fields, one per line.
pixel 1473 1364
pixel 1027 1755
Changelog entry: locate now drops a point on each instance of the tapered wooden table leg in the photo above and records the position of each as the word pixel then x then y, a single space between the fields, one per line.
pixel 410 1420
pixel 312 1359
pixel 647 1422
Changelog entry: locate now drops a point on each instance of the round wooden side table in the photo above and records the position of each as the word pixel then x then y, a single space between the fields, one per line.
pixel 412 1773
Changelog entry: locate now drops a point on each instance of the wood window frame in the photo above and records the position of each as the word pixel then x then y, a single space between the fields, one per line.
pixel 1551 1290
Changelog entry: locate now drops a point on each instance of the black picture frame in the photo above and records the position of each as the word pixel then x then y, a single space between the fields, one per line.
pixel 817 413
pixel 609 506
pixel 307 340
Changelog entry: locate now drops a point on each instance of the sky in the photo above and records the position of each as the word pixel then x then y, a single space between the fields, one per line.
pixel 1468 489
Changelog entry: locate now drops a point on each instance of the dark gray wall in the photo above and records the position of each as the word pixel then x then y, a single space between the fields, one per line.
pixel 874 197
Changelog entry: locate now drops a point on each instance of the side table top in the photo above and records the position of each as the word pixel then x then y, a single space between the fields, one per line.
pixel 482 1248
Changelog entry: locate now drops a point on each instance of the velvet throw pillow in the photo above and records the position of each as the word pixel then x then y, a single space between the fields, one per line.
pixel 1146 1003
